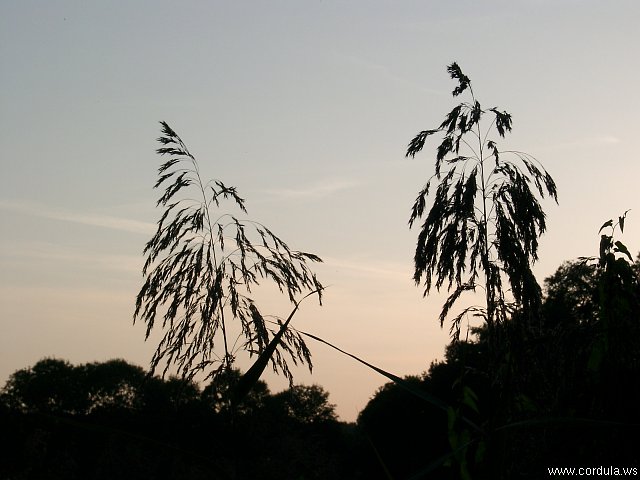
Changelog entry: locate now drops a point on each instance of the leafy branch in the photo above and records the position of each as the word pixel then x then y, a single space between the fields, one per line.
pixel 618 295
pixel 201 266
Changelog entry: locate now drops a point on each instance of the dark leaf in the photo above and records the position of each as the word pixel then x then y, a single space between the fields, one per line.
pixel 606 224
pixel 445 147
pixel 476 113
pixel 492 146
pixel 622 248
pixel 456 74
pixel 503 121
pixel 605 245
pixel 452 118
pixel 417 143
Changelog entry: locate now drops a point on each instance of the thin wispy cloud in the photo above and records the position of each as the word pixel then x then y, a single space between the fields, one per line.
pixel 90 219
pixel 44 252
pixel 587 142
pixel 314 191
pixel 373 268
pixel 384 72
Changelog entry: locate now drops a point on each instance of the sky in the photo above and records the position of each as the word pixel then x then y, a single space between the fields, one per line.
pixel 307 108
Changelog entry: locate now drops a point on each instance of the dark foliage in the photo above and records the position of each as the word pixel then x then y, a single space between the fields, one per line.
pixel 166 428
pixel 305 404
pixel 218 394
pixel 411 438
pixel 404 432
pixel 563 394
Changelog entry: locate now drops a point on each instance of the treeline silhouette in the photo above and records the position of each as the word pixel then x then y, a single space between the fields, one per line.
pixel 561 395
pixel 111 420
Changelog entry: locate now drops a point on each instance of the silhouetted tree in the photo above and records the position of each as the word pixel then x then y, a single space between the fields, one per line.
pixel 113 385
pixel 404 432
pixel 305 404
pixel 302 437
pixel 571 294
pixel 170 394
pixel 56 386
pixel 101 420
pixel 50 386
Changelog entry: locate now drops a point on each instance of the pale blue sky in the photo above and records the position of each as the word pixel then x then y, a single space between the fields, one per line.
pixel 307 108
